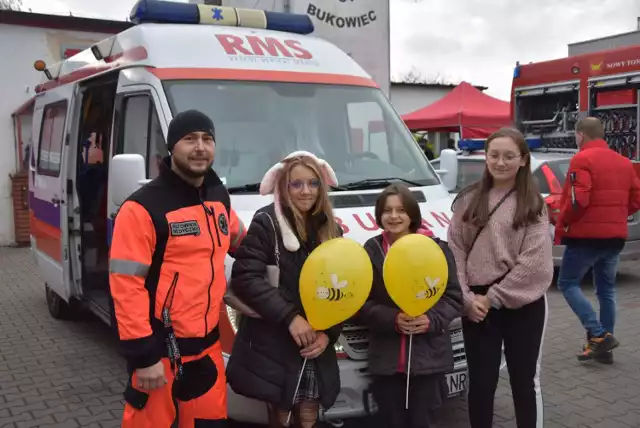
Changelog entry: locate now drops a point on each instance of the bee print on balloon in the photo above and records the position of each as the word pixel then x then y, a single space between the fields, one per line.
pixel 427 289
pixel 335 292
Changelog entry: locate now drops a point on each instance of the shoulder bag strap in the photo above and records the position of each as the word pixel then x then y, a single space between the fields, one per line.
pixel 495 208
pixel 275 240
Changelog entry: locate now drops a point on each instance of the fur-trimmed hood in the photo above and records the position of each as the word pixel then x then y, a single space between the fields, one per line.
pixel 268 186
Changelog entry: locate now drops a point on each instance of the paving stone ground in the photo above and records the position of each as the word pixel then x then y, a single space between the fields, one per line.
pixel 69 373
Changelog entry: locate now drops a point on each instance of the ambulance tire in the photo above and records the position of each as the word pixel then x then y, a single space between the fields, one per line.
pixel 58 307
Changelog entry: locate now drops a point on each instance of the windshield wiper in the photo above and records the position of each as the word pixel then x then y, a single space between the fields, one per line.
pixel 255 187
pixel 245 188
pixel 375 182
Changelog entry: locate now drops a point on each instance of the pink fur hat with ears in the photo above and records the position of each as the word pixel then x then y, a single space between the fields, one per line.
pixel 268 186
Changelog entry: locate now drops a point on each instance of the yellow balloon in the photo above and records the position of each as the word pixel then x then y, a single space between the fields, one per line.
pixel 415 273
pixel 335 282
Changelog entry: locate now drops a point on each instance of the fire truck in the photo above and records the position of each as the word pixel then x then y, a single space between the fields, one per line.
pixel 549 97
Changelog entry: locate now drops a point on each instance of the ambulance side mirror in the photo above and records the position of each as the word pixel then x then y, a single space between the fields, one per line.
pixel 126 174
pixel 448 169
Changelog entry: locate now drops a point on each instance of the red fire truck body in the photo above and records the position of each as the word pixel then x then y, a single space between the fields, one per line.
pixel 548 98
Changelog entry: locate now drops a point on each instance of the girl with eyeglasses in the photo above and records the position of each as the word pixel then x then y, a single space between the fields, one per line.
pixel 268 351
pixel 500 237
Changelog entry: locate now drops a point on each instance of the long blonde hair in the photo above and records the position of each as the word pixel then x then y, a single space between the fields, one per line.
pixel 329 229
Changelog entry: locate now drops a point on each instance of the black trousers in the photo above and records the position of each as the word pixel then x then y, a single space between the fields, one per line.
pixel 521 331
pixel 425 394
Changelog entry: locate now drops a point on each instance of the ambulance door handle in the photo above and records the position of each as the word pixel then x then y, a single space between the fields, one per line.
pixel 56 201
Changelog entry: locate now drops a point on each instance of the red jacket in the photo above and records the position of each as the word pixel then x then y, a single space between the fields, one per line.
pixel 600 192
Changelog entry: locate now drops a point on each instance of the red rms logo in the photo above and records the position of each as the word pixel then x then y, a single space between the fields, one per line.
pixel 262 46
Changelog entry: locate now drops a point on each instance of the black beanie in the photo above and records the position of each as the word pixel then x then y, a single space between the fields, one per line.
pixel 187 122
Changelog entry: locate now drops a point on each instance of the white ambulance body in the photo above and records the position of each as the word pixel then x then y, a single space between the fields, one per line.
pixel 269 93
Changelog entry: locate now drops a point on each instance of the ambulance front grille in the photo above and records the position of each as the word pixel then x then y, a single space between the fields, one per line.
pixel 365 199
pixel 355 342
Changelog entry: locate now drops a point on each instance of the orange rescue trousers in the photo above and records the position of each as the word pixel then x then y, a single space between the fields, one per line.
pixel 159 411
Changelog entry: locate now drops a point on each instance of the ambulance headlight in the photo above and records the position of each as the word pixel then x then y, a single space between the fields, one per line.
pixel 168 12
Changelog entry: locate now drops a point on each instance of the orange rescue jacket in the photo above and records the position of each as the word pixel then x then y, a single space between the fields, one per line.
pixel 169 245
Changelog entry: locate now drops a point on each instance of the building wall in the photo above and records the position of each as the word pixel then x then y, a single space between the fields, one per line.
pixel 409 98
pixel 618 41
pixel 19 48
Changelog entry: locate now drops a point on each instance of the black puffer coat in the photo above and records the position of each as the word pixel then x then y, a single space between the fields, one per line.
pixel 431 352
pixel 265 362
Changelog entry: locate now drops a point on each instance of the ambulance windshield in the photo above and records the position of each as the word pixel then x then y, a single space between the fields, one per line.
pixel 258 123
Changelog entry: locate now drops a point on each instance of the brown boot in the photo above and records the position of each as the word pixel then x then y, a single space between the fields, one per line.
pixel 306 414
pixel 277 417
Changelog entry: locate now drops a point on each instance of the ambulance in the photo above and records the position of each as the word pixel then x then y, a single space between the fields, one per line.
pixel 100 121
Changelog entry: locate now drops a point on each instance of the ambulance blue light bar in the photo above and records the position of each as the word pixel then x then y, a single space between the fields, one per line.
pixel 168 12
pixel 471 145
pixel 477 145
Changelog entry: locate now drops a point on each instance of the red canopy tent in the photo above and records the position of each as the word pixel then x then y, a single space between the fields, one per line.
pixel 466 110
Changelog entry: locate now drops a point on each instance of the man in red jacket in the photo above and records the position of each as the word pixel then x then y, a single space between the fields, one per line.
pixel 600 193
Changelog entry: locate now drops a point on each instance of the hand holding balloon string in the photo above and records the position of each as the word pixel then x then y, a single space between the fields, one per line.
pixel 302 332
pixel 316 349
pixel 313 343
pixel 412 325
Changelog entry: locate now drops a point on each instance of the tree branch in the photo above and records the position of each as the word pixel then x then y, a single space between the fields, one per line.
pixel 11 4
pixel 417 77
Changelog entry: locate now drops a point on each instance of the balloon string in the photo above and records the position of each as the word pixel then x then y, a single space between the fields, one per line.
pixel 406 406
pixel 304 363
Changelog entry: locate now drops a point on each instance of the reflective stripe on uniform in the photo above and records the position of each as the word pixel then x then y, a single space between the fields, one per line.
pixel 128 267
pixel 239 234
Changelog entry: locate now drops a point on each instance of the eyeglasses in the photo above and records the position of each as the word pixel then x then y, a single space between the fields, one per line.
pixel 507 158
pixel 299 184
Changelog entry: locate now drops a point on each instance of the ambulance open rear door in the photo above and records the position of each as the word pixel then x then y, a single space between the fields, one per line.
pixel 49 197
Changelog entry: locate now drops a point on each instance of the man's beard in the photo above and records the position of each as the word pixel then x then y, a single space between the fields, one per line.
pixel 187 171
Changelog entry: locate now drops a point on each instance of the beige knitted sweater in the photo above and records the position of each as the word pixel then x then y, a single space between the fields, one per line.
pixel 524 255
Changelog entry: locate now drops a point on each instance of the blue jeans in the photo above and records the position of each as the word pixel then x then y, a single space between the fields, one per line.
pixel 576 262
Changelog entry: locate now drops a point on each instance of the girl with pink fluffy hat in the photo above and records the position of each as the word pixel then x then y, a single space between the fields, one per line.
pixel 275 338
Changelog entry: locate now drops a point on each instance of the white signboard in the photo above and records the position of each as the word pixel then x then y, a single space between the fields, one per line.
pixel 358 27
pixel 272 5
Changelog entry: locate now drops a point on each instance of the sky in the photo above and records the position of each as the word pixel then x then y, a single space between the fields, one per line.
pixel 478 41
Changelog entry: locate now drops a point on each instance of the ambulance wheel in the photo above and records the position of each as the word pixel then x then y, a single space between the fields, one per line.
pixel 58 308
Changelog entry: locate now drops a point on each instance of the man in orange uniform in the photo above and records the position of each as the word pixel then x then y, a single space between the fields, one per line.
pixel 167 280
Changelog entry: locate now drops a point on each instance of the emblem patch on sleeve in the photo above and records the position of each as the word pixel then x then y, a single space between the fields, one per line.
pixel 185 228
pixel 223 225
